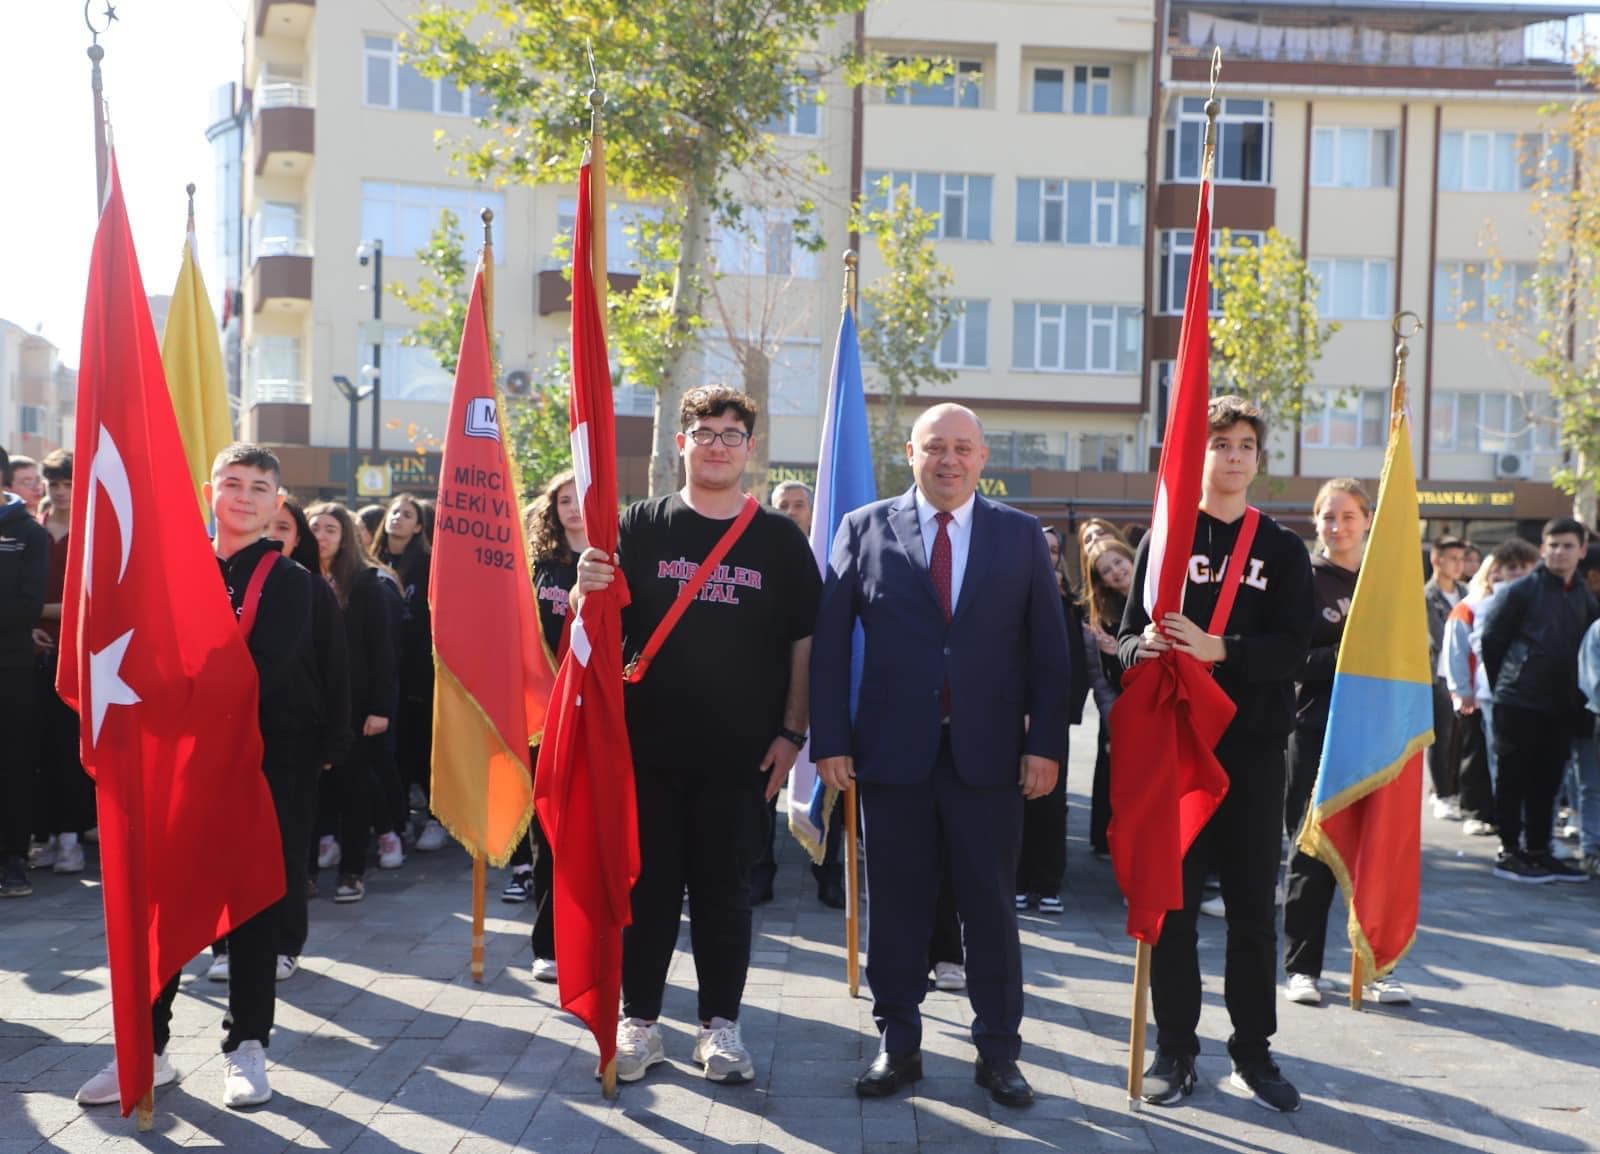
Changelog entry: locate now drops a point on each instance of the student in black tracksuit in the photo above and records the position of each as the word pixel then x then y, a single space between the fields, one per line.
pixel 1108 565
pixel 24 568
pixel 1255 661
pixel 1342 514
pixel 369 606
pixel 553 524
pixel 1042 864
pixel 402 544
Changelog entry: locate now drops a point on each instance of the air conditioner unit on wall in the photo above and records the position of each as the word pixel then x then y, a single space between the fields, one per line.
pixel 1513 466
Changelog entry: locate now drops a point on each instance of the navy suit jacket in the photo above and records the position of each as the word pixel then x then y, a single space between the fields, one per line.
pixel 1004 651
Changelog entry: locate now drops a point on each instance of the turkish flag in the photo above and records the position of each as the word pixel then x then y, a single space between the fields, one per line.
pixel 584 784
pixel 1165 781
pixel 153 661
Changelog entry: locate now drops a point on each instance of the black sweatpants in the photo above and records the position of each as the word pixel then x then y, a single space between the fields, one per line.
pixel 353 788
pixel 1311 884
pixel 18 760
pixel 66 800
pixel 253 948
pixel 1477 788
pixel 1241 842
pixel 1042 866
pixel 413 735
pixel 1531 750
pixel 1100 792
pixel 1444 757
pixel 702 831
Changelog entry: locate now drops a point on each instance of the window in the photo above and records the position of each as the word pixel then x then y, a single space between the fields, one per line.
pixel 1163 399
pixel 622 235
pixel 1472 293
pixel 792 376
pixel 1338 420
pixel 804 115
pixel 965 344
pixel 411 373
pixel 1096 212
pixel 1051 337
pixel 1011 449
pixel 1091 90
pixel 763 244
pixel 961 200
pixel 1353 289
pixel 1499 161
pixel 1100 453
pixel 404 216
pixel 1177 248
pixel 31 420
pixel 275 231
pixel 392 84
pixel 1353 157
pixel 962 88
pixel 1244 141
pixel 276 375
pixel 1494 422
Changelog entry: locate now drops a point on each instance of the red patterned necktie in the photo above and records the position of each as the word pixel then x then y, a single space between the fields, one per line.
pixel 939 569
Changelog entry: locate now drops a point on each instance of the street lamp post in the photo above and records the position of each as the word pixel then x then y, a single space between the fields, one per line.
pixel 355 395
pixel 373 253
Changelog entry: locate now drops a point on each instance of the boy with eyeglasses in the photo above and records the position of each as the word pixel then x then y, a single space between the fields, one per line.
pixel 715 722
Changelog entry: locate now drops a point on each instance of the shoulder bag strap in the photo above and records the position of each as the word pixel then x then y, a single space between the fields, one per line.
pixel 1233 571
pixel 252 594
pixel 639 665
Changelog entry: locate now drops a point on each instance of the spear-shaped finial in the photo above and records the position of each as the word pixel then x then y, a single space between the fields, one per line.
pixel 851 263
pixel 1213 110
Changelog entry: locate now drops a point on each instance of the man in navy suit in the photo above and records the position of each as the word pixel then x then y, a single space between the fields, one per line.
pixel 962 714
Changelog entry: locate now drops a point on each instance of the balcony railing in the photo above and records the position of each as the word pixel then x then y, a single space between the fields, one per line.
pixel 272 92
pixel 277 391
pixel 282 246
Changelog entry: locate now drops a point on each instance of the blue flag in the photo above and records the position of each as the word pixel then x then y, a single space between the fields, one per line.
pixel 844 482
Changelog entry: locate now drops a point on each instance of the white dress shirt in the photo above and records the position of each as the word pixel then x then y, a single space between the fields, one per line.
pixel 959 531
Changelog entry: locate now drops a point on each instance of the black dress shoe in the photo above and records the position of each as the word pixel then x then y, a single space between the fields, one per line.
pixel 888 1073
pixel 1004 1081
pixel 831 894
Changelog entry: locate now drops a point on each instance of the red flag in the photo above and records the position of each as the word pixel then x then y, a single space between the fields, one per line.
pixel 584 785
pixel 153 661
pixel 489 699
pixel 1165 781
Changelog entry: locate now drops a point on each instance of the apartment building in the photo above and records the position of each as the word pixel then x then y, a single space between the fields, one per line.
pixel 1062 156
pixel 37 394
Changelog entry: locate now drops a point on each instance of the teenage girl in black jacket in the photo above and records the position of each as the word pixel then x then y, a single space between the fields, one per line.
pixel 402 544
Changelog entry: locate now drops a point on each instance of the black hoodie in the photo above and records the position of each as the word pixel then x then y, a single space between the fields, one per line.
pixel 1333 588
pixel 24 567
pixel 1267 635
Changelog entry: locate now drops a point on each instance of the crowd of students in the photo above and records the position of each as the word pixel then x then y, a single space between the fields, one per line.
pixel 1517 718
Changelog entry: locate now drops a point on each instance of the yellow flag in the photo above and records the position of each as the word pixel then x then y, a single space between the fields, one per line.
pixel 191 354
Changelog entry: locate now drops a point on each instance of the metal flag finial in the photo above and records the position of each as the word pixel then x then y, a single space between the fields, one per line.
pixel 487 216
pixel 1213 110
pixel 1406 324
pixel 851 264
pixel 597 98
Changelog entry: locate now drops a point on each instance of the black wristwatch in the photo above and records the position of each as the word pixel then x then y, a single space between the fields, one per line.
pixel 798 739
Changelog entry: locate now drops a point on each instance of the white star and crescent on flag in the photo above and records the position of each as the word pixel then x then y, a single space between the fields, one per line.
pixel 106 687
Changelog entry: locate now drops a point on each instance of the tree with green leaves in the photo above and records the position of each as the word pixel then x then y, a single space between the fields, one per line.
pixel 536 424
pixel 905 312
pixel 691 88
pixel 1267 340
pixel 1549 323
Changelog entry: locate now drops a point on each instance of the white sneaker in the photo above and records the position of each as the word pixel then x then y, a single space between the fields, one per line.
pixel 101 1090
pixel 287 967
pixel 42 855
pixel 328 853
pixel 1477 827
pixel 219 968
pixel 431 838
pixel 1446 809
pixel 391 853
pixel 1302 989
pixel 544 969
pixel 244 1076
pixel 1571 831
pixel 638 1048
pixel 1214 907
pixel 1387 992
pixel 949 976
pixel 69 859
pixel 721 1051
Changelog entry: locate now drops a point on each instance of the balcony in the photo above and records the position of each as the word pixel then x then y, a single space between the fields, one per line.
pixel 555 291
pixel 285 129
pixel 285 19
pixel 281 282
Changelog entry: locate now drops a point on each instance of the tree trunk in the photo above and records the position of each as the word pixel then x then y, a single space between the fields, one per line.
pixel 688 287
pixel 757 386
pixel 1586 499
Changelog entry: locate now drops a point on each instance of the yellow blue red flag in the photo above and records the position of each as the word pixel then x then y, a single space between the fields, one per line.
pixel 1365 819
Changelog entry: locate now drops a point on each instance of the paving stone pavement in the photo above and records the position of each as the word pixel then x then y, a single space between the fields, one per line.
pixel 383 1042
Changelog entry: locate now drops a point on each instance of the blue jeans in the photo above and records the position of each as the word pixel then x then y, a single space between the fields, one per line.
pixel 1583 789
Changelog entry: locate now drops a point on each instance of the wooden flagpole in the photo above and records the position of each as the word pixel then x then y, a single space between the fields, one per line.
pixel 1141 956
pixel 479 883
pixel 852 862
pixel 480 879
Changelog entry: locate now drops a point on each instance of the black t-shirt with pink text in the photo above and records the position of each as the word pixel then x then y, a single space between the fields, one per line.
pixel 552 586
pixel 712 701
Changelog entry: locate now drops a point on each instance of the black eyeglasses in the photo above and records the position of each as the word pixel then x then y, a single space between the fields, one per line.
pixel 732 438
